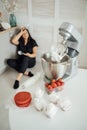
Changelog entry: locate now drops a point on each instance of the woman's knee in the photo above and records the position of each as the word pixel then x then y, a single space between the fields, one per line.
pixel 12 63
pixel 9 61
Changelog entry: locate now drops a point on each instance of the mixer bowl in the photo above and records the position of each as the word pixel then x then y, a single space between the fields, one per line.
pixel 54 70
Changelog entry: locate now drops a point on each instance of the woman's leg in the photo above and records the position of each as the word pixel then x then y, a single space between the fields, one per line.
pixel 28 73
pixel 26 62
pixel 31 63
pixel 13 63
pixel 19 76
pixel 16 84
pixel 22 66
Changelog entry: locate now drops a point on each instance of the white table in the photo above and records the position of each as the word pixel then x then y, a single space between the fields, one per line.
pixel 75 119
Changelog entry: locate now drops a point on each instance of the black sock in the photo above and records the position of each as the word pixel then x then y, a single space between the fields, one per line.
pixel 30 74
pixel 16 84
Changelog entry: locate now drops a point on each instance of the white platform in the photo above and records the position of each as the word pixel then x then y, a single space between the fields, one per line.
pixel 75 119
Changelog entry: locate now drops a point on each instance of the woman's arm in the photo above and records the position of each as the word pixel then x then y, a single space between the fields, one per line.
pixel 15 39
pixel 33 55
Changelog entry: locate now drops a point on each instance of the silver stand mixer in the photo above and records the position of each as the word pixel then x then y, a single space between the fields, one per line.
pixel 72 40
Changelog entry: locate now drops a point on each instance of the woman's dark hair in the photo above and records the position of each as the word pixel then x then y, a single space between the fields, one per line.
pixel 29 38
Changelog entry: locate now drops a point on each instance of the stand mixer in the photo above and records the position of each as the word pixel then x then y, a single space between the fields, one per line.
pixel 66 68
pixel 72 40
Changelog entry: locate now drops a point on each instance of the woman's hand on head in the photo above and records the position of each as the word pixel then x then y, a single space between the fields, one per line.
pixel 23 29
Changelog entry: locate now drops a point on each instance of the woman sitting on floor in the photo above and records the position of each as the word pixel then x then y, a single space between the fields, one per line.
pixel 27 59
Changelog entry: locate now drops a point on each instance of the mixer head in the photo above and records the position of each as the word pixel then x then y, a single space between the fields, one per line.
pixel 71 37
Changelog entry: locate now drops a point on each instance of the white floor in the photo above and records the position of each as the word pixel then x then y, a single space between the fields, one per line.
pixel 14 119
pixel 6 89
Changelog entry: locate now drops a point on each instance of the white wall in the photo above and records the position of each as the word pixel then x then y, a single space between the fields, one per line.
pixel 83 54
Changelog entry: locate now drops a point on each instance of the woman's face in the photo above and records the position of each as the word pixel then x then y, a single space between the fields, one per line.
pixel 25 34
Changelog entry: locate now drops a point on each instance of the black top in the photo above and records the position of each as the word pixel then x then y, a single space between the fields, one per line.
pixel 28 48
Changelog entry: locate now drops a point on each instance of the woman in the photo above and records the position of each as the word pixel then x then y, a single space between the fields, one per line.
pixel 28 46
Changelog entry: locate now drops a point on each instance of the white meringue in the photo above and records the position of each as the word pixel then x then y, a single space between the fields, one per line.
pixel 51 110
pixel 65 104
pixel 54 97
pixel 39 104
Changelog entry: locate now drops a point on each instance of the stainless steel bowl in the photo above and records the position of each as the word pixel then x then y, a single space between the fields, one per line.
pixel 54 70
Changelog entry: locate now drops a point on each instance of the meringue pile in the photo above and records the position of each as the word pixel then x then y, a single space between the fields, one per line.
pixel 50 104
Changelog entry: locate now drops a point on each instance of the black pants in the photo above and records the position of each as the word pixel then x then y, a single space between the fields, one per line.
pixel 22 63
